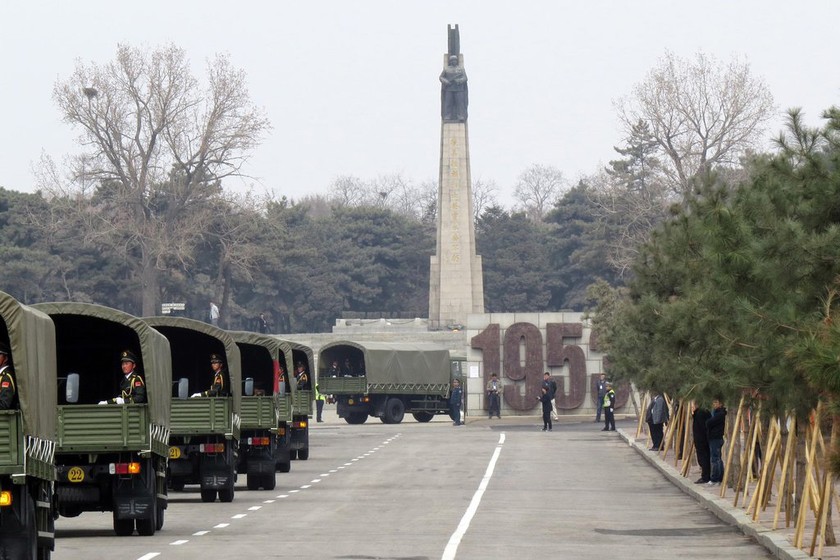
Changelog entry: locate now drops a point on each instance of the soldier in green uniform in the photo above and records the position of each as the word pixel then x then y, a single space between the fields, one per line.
pixel 132 386
pixel 8 389
pixel 219 388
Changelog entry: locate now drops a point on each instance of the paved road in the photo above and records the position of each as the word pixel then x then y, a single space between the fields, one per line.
pixel 488 490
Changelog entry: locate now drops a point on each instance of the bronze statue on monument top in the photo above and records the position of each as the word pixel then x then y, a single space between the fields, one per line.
pixel 454 96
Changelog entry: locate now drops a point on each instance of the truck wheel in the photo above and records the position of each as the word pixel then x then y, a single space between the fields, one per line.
pixel 160 515
pixel 252 482
pixel 208 495
pixel 284 467
pixel 147 527
pixel 303 454
pixel 177 484
pixel 123 527
pixel 422 416
pixel 292 454
pixel 394 411
pixel 356 418
pixel 226 494
pixel 269 482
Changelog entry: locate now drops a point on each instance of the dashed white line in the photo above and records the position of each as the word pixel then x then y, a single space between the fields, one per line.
pixel 254 508
pixel 149 556
pixel 293 491
pixel 221 525
pixel 269 501
pixel 200 533
pixel 239 516
pixel 315 480
pixel 283 496
pixel 305 486
pixel 178 542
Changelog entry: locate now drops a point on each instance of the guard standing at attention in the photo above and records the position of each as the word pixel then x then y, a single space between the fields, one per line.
pixel 609 409
pixel 132 386
pixel 8 389
pixel 220 386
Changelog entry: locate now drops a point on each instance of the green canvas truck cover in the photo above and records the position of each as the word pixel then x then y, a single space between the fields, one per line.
pixel 234 367
pixel 154 348
pixel 396 362
pixel 275 346
pixel 32 342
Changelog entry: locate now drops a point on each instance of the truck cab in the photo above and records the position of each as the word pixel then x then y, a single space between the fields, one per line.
pixel 110 457
pixel 205 430
pixel 265 441
pixel 27 434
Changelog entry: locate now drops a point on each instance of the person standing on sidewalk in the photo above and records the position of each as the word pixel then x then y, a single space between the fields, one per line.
pixel 657 417
pixel 701 441
pixel 601 385
pixel 551 388
pixel 546 408
pixel 455 403
pixel 609 408
pixel 715 426
pixel 494 388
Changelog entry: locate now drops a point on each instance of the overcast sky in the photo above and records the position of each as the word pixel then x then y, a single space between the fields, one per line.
pixel 351 87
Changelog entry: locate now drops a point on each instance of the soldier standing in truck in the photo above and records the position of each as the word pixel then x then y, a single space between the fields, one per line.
pixel 132 386
pixel 219 388
pixel 8 389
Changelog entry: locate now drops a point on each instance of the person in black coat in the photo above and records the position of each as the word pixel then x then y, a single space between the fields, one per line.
pixel 545 398
pixel 715 428
pixel 701 441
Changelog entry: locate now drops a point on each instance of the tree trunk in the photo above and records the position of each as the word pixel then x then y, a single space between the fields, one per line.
pixel 150 287
pixel 830 537
pixel 801 436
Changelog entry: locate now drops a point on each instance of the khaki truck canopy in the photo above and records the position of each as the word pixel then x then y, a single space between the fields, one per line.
pixel 31 337
pixel 391 363
pixel 192 342
pixel 263 348
pixel 89 341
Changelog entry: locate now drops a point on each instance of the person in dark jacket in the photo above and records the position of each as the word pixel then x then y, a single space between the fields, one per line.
pixel 8 389
pixel 455 403
pixel 715 427
pixel 545 399
pixel 701 441
pixel 657 417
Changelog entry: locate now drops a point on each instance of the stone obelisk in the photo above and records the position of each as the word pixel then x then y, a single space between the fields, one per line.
pixel 456 287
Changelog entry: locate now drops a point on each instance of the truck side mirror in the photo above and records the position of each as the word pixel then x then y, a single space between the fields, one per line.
pixel 183 388
pixel 249 386
pixel 71 390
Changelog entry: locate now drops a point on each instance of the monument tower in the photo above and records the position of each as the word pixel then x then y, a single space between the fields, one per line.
pixel 456 287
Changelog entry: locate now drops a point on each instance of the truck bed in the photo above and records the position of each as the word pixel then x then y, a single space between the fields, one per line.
pixel 87 428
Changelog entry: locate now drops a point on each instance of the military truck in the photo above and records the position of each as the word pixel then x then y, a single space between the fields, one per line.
pixel 388 380
pixel 110 457
pixel 302 401
pixel 266 414
pixel 204 435
pixel 27 435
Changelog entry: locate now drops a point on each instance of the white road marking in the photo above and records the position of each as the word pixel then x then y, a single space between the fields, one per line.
pixel 239 516
pixel 254 508
pixel 283 496
pixel 200 533
pixel 221 525
pixel 455 539
pixel 315 480
pixel 149 556
pixel 293 491
pixel 305 486
pixel 269 501
pixel 325 474
pixel 333 470
pixel 178 543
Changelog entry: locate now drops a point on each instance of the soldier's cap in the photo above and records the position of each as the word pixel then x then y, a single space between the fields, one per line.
pixel 215 358
pixel 4 349
pixel 128 356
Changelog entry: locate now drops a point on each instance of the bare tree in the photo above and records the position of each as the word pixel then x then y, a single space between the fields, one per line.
pixel 701 112
pixel 156 147
pixel 538 188
pixel 347 190
pixel 483 195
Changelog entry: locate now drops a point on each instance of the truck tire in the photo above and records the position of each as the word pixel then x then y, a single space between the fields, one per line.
pixel 208 495
pixel 147 527
pixel 269 481
pixel 161 512
pixel 303 454
pixel 177 484
pixel 226 494
pixel 422 416
pixel 356 418
pixel 284 467
pixel 292 454
pixel 252 482
pixel 394 411
pixel 123 527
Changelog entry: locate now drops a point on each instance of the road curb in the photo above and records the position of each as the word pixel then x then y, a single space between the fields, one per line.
pixel 778 545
